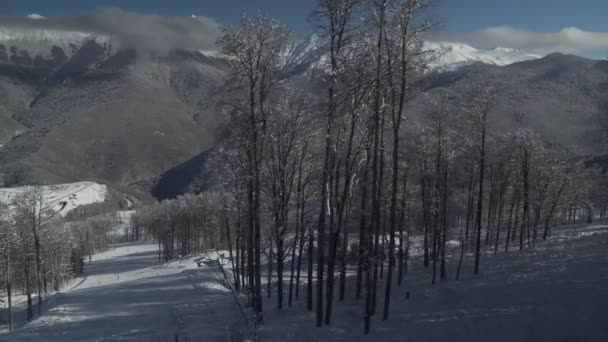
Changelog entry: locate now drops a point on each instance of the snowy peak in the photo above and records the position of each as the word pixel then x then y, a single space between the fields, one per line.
pixel 449 56
pixel 299 56
pixel 34 41
pixel 40 36
pixel 446 56
pixel 302 51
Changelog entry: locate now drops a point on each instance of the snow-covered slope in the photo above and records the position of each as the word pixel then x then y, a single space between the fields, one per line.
pixel 302 51
pixel 63 197
pixel 450 56
pixel 126 295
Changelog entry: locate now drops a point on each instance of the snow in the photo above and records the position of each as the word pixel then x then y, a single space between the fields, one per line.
pixel 63 197
pixel 557 291
pixel 126 295
pixel 450 55
pixel 39 41
pixel 307 52
pixel 304 51
pixel 212 53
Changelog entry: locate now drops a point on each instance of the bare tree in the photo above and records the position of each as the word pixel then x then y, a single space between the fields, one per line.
pixel 334 18
pixel 7 241
pixel 34 209
pixel 481 99
pixel 254 47
pixel 403 58
pixel 286 128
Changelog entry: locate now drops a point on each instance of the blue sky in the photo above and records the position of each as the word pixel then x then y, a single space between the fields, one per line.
pixel 533 15
pixel 541 25
pixel 293 12
pixel 461 15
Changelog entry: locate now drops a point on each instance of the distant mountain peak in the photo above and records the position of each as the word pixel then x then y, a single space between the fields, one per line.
pixel 564 58
pixel 450 55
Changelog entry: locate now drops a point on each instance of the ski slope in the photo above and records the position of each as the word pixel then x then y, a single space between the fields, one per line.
pixel 557 291
pixel 63 197
pixel 127 296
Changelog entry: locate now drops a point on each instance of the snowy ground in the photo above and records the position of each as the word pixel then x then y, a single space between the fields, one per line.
pixel 63 197
pixel 127 296
pixel 555 292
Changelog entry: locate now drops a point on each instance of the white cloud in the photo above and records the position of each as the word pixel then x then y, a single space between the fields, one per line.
pixel 35 16
pixel 156 32
pixel 145 32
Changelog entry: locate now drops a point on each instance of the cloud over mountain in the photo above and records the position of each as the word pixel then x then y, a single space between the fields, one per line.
pixel 567 40
pixel 156 32
pixel 131 30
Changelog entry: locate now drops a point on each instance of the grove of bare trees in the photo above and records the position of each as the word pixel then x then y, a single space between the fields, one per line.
pixel 325 179
pixel 40 251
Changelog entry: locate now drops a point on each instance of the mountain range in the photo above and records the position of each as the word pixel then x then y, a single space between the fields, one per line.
pixel 76 106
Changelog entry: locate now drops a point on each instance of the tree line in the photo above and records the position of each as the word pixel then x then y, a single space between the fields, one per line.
pixel 188 225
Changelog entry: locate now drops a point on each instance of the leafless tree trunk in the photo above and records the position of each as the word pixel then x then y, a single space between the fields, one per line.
pixel 470 202
pixel 309 293
pixel 525 155
pixel 484 100
pixel 444 230
pixel 402 222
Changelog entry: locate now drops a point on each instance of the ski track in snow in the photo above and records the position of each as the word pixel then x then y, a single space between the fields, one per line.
pixel 127 296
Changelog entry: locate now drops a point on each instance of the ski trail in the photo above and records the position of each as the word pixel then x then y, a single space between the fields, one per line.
pixel 127 296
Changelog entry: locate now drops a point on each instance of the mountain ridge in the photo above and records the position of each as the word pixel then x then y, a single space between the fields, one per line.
pixel 35 42
pixel 128 117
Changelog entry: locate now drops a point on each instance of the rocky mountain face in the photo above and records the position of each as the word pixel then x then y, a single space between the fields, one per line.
pixel 74 107
pixel 99 114
pixel 562 97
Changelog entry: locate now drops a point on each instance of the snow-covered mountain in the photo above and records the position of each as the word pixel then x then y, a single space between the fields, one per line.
pixel 63 197
pixel 303 51
pixel 445 56
pixel 449 56
pixel 306 53
pixel 33 42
